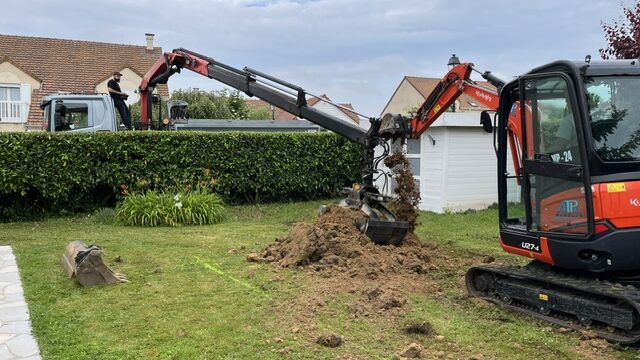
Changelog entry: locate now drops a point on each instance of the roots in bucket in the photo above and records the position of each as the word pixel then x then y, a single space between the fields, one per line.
pixel 407 193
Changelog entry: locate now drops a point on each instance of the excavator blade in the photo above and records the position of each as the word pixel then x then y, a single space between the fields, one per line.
pixel 383 232
pixel 85 264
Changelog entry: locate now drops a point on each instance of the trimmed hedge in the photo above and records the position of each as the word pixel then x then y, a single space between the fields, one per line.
pixel 41 172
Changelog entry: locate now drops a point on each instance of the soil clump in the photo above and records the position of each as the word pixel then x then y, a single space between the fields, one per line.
pixel 405 204
pixel 329 340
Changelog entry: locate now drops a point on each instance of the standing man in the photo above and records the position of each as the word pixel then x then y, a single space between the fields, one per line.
pixel 118 99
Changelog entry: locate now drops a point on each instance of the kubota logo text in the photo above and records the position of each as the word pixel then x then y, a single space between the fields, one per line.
pixel 484 96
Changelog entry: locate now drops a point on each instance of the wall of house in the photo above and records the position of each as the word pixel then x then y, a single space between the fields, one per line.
pixel 10 74
pixel 12 127
pixel 433 169
pixel 12 119
pixel 405 98
pixel 129 83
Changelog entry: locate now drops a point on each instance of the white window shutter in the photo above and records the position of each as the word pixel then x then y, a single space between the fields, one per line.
pixel 25 98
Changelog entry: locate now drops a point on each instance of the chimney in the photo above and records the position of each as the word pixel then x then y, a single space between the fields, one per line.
pixel 149 41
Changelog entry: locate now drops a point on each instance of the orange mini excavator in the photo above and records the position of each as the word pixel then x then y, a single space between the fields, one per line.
pixel 567 140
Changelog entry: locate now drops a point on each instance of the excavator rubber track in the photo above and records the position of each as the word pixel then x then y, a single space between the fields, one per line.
pixel 609 309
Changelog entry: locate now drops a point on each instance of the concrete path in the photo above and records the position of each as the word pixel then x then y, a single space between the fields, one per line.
pixel 16 340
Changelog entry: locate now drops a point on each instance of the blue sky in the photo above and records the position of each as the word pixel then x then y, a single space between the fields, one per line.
pixel 355 51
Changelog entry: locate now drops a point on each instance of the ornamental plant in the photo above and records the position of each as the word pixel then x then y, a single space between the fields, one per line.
pixel 196 207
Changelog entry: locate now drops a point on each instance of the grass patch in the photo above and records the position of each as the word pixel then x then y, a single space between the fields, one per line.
pixel 193 295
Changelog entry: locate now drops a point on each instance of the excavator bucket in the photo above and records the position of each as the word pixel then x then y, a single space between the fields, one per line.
pixel 85 264
pixel 383 232
pixel 380 225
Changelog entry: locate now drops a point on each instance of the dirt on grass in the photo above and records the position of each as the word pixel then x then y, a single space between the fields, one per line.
pixel 333 246
pixel 375 279
pixel 368 281
pixel 343 262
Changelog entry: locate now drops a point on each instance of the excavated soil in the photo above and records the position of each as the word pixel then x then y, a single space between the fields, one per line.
pixel 341 263
pixel 333 246
pixel 407 193
pixel 377 279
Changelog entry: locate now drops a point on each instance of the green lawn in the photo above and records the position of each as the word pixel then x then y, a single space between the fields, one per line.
pixel 192 295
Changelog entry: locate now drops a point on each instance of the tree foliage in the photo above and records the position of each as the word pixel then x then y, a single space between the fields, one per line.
pixel 260 114
pixel 623 35
pixel 221 104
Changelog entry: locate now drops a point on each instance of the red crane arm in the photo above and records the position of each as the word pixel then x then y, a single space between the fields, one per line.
pixel 167 65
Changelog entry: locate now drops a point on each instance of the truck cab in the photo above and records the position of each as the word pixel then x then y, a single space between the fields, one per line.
pixel 66 112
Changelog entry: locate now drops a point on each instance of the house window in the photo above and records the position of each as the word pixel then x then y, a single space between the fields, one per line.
pixel 10 105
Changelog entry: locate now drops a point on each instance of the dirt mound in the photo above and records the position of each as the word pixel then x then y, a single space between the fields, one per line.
pixel 342 263
pixel 423 328
pixel 333 245
pixel 377 300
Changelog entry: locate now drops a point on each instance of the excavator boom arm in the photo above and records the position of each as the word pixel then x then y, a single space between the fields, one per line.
pixel 455 83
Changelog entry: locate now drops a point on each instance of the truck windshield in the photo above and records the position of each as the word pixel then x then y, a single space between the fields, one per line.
pixel 614 109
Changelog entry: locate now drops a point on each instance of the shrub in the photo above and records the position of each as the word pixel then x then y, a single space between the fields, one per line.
pixel 165 209
pixel 56 173
pixel 104 215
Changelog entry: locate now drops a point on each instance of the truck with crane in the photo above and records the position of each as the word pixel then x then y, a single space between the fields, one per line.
pixel 572 132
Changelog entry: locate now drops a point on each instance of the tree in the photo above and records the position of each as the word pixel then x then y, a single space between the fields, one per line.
pixel 221 104
pixel 260 114
pixel 623 36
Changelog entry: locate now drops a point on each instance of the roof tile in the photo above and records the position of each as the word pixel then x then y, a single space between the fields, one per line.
pixel 72 65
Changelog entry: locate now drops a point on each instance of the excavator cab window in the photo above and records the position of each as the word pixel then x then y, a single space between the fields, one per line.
pixel 543 191
pixel 614 117
pixel 552 169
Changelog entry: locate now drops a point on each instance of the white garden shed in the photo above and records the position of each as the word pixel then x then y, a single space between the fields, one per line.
pixel 454 164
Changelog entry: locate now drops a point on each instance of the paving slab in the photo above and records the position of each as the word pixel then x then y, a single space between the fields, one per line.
pixel 16 337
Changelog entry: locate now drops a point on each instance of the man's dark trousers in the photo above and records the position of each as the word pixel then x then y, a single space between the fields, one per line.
pixel 125 114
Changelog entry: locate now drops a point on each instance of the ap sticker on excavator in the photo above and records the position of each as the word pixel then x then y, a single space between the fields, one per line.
pixel 616 187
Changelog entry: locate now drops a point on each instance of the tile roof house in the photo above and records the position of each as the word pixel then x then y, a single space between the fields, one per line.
pixel 453 162
pixel 413 91
pixel 31 67
pixel 341 112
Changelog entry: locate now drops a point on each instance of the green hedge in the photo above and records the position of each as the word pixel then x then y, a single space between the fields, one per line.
pixel 41 172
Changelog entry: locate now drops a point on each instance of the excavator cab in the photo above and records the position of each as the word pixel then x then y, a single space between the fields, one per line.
pixel 571 203
pixel 568 146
